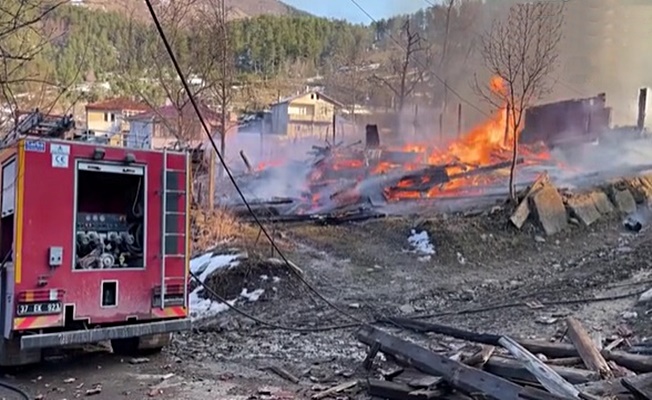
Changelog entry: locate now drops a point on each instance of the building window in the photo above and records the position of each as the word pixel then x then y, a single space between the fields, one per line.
pixel 109 117
pixel 294 110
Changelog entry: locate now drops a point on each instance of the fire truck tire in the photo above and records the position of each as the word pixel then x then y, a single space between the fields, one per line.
pixel 11 355
pixel 144 345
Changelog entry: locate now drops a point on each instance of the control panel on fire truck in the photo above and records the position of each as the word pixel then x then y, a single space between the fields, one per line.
pixel 101 222
pixel 105 241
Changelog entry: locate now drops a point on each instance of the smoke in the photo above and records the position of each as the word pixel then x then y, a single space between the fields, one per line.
pixel 393 7
pixel 280 166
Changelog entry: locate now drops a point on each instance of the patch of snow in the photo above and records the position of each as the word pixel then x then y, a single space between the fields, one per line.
pixel 252 296
pixel 203 266
pixel 205 308
pixel 420 242
pixel 276 279
pixel 264 277
pixel 206 264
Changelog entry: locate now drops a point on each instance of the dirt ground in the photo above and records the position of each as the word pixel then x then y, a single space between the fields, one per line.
pixel 368 270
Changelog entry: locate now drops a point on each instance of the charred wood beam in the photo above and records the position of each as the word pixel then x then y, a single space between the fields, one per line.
pixel 487 168
pixel 458 375
pixel 514 370
pixel 246 161
pixel 633 362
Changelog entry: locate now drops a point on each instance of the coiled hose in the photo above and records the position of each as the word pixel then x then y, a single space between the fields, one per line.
pixel 16 390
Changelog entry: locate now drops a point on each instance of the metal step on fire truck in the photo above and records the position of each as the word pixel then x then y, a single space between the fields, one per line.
pixel 94 243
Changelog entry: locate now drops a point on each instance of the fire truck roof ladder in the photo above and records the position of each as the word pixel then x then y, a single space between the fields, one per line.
pixel 172 233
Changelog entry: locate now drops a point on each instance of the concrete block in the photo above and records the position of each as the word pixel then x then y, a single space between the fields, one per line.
pixel 602 202
pixel 550 209
pixel 624 201
pixel 583 208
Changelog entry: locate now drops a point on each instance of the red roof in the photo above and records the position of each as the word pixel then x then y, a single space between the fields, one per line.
pixel 119 104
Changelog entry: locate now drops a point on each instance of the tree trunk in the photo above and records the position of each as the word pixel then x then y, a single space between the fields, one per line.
pixel 512 169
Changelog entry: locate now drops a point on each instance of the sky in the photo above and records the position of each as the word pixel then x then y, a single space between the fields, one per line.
pixel 345 9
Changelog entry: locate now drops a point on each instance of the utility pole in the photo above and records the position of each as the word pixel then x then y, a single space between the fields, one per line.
pixel 211 180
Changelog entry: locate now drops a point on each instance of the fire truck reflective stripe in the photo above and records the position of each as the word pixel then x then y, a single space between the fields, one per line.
pixel 20 188
pixel 37 322
pixel 169 312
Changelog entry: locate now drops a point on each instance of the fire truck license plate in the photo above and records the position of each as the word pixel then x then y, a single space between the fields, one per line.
pixel 39 308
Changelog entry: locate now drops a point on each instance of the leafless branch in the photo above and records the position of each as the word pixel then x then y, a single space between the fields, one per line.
pixel 520 51
pixel 23 38
pixel 408 69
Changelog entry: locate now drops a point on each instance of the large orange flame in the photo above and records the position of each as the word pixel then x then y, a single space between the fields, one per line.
pixel 482 143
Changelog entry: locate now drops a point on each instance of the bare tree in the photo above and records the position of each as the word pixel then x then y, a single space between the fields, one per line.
pixel 218 46
pixel 23 38
pixel 181 22
pixel 350 69
pixel 408 68
pixel 522 51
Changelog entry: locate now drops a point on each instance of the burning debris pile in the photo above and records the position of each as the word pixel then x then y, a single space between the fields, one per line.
pixel 366 179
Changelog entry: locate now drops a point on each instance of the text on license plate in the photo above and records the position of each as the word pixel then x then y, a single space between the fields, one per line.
pixel 39 308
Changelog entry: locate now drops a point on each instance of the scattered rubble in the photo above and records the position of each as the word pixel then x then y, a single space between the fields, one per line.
pixel 499 367
pixel 553 210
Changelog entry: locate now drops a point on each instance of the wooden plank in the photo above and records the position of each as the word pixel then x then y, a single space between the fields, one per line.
pixel 564 362
pixel 335 390
pixel 284 373
pixel 634 362
pixel 515 370
pixel 641 389
pixel 481 357
pixel 371 355
pixel 588 351
pixel 398 391
pixel 462 377
pixel 544 374
pixel 426 382
pixel 388 390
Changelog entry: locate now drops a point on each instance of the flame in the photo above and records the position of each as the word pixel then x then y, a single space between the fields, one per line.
pixel 465 167
pixel 480 145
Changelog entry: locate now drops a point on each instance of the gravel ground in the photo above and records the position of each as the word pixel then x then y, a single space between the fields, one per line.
pixel 369 270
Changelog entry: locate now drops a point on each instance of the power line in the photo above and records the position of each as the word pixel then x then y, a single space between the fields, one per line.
pixel 268 324
pixel 195 106
pixel 433 73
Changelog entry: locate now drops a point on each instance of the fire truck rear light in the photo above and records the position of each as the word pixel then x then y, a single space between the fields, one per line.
pixel 174 295
pixel 169 289
pixel 32 296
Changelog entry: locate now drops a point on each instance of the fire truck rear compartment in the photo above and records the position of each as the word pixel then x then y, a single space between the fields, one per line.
pixel 110 216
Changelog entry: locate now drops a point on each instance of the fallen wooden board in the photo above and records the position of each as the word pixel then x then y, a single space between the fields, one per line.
pixel 613 387
pixel 397 391
pixel 514 370
pixel 283 373
pixel 456 374
pixel 587 349
pixel 480 358
pixel 642 389
pixel 334 390
pixel 634 362
pixel 544 374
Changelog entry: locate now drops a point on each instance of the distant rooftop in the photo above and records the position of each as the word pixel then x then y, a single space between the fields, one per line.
pixel 118 104
pixel 316 92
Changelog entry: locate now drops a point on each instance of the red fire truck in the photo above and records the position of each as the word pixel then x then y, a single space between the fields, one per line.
pixel 94 246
